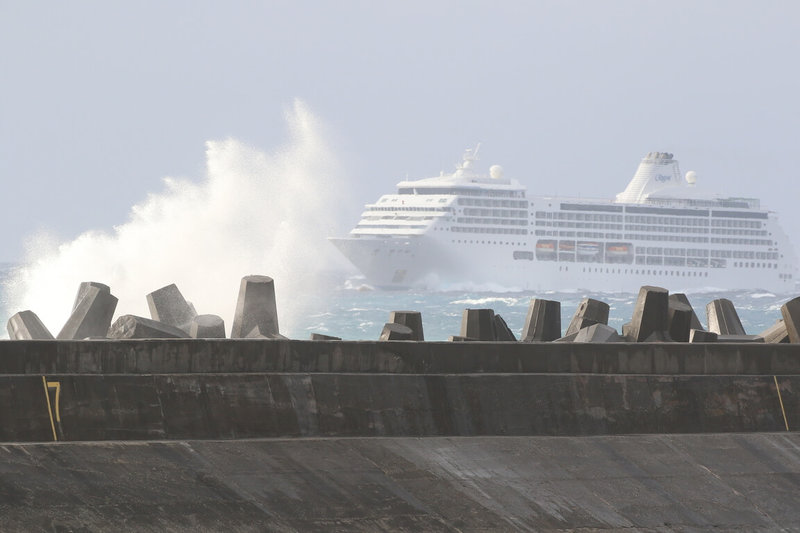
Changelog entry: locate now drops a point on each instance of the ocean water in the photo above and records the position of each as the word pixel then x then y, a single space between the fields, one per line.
pixel 343 306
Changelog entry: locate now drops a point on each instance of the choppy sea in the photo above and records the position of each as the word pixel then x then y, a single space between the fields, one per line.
pixel 346 307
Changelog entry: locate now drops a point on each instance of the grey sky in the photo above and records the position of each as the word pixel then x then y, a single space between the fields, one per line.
pixel 100 100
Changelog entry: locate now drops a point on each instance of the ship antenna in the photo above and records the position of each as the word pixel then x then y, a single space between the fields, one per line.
pixel 469 156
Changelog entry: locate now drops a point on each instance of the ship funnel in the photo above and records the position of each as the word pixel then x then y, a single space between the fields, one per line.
pixel 657 171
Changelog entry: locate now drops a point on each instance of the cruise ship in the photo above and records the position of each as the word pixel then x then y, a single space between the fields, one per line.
pixel 467 229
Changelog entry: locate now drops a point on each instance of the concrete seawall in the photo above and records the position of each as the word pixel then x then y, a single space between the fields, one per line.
pixel 283 435
pixel 190 389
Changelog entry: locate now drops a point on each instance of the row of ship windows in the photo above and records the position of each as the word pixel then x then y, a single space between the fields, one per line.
pixel 578 225
pixel 513 231
pixel 391 226
pixel 579 216
pixel 469 211
pixel 395 217
pixel 462 191
pixel 495 221
pixel 493 203
pixel 694 252
pixel 646 219
pixel 486 242
pixel 401 208
pixel 648 272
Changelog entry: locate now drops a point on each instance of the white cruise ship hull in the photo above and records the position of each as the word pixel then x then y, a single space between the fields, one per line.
pixel 465 230
pixel 424 262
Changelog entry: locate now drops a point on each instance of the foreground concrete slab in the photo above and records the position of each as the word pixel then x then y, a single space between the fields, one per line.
pixel 92 315
pixel 650 314
pixel 478 324
pixel 589 312
pixel 412 319
pixel 207 327
pixel 137 327
pixel 255 307
pixel 723 318
pixel 27 326
pixel 698 483
pixel 543 322
pixel 167 305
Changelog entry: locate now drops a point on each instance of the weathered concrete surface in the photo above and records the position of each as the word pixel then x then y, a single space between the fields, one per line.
pixel 729 482
pixel 543 322
pixel 168 305
pixel 478 324
pixel 650 315
pixel 589 312
pixel 91 317
pixel 138 327
pixel 396 332
pixel 502 332
pixel 255 308
pixel 723 318
pixel 27 326
pixel 207 327
pixel 177 356
pixel 411 319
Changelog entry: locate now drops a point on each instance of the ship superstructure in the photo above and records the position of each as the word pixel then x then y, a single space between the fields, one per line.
pixel 466 228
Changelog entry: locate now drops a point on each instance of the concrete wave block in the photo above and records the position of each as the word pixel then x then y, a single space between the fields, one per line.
pixel 207 327
pixel 701 335
pixel 259 333
pixel 740 338
pixel 791 317
pixel 723 318
pixel 167 305
pixel 649 313
pixel 589 312
pixel 92 315
pixel 543 322
pixel 321 337
pixel 478 324
pixel 502 332
pixel 776 333
pixel 412 319
pixel 27 326
pixel 396 332
pixel 679 318
pixel 682 298
pixel 255 307
pixel 598 333
pixel 83 289
pixel 137 327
